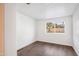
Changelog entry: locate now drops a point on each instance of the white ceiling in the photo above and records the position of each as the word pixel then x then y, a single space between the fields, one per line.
pixel 47 10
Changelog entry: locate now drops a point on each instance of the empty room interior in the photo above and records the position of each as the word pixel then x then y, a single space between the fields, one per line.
pixel 39 29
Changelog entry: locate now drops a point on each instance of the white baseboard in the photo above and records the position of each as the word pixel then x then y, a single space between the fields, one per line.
pixel 76 50
pixel 26 44
pixel 54 42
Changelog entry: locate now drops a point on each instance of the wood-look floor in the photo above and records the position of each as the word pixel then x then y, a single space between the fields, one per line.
pixel 46 49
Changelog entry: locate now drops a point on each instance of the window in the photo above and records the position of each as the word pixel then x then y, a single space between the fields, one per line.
pixel 55 26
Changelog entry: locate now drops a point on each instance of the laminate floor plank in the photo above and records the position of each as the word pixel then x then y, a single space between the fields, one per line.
pixel 46 49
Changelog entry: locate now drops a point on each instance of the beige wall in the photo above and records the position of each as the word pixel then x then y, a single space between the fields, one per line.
pixel 58 38
pixel 10 29
pixel 25 30
pixel 76 30
pixel 1 28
